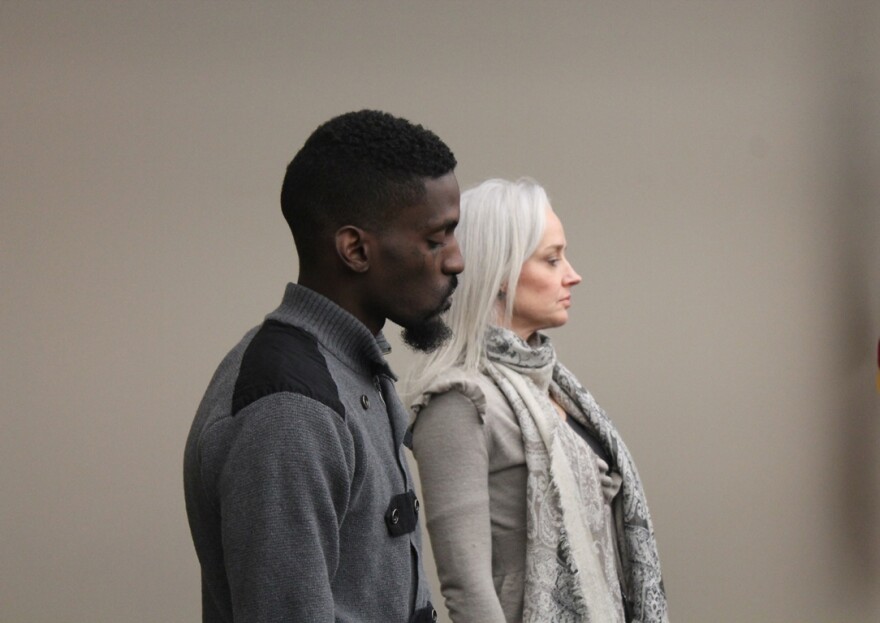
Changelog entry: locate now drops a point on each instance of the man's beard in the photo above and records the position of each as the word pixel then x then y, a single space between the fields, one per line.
pixel 428 335
pixel 431 333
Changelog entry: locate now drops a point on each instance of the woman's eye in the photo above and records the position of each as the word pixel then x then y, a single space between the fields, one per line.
pixel 553 261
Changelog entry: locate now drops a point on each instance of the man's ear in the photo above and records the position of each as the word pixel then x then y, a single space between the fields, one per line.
pixel 352 246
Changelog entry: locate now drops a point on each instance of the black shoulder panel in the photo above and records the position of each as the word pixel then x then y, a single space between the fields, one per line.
pixel 283 358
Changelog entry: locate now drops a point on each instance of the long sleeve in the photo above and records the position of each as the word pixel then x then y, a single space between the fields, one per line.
pixel 449 443
pixel 283 492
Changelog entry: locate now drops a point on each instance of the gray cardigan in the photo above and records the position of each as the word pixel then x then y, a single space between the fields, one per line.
pixel 297 490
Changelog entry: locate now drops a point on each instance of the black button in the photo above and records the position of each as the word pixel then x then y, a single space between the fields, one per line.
pixel 401 517
pixel 365 402
pixel 424 615
pixel 416 504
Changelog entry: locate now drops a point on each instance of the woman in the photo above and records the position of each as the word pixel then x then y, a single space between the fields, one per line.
pixel 534 506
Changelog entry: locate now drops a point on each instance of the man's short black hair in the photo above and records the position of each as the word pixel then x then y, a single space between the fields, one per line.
pixel 358 169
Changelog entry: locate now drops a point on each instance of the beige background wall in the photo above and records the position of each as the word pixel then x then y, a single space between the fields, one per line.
pixel 715 164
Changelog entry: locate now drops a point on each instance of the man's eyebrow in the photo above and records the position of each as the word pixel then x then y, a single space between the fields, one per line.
pixel 438 224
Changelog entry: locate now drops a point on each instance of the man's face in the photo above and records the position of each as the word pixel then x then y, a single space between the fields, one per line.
pixel 416 262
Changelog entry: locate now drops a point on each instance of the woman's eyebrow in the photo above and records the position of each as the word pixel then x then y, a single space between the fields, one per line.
pixel 559 246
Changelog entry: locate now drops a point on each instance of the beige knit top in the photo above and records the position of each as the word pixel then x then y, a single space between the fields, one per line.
pixel 471 460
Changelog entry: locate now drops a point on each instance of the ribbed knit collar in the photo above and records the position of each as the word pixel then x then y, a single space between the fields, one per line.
pixel 334 328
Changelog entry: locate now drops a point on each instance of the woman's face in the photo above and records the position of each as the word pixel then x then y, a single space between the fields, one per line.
pixel 543 293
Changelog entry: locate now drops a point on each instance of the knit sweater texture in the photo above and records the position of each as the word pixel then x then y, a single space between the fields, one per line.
pixel 297 489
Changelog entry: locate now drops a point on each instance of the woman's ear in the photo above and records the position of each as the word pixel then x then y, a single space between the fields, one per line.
pixel 501 303
pixel 352 247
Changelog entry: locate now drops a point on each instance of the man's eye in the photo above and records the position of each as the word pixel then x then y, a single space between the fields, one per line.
pixel 433 244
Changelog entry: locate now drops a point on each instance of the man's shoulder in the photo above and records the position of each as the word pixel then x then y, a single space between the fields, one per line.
pixel 284 358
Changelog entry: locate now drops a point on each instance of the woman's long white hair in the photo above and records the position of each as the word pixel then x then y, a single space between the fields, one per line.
pixel 500 226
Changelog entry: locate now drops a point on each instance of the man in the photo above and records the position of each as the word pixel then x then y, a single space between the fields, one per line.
pixel 300 502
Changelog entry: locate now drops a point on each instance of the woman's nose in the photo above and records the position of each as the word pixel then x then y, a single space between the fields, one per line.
pixel 572 277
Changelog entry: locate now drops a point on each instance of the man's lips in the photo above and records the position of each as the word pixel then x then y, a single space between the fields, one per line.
pixel 447 300
pixel 446 303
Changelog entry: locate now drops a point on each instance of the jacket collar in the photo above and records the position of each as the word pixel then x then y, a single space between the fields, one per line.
pixel 335 329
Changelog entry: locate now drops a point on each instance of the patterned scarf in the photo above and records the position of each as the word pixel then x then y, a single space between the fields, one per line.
pixel 570 569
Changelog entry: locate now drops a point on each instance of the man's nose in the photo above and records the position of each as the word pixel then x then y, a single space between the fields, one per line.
pixel 453 263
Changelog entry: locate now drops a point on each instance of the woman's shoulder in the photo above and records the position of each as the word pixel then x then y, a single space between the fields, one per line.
pixel 472 384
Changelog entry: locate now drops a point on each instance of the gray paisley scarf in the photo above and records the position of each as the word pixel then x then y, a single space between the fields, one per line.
pixel 570 573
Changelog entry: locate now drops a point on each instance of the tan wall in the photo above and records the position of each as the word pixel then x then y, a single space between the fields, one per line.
pixel 716 167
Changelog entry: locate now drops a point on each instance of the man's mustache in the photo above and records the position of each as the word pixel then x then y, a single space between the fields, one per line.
pixel 453 284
